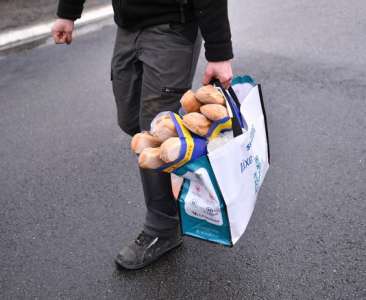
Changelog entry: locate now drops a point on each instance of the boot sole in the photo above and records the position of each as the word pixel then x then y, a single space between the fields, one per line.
pixel 140 266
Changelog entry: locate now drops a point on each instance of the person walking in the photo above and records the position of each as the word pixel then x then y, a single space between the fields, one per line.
pixel 154 60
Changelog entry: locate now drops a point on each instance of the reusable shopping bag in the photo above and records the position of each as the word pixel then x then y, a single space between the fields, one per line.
pixel 220 189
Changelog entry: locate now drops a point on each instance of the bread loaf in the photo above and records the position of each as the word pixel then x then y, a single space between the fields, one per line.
pixel 161 117
pixel 170 149
pixel 143 140
pixel 214 112
pixel 197 123
pixel 163 129
pixel 150 158
pixel 208 94
pixel 190 103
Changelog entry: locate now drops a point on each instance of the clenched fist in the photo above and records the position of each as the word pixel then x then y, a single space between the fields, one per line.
pixel 62 31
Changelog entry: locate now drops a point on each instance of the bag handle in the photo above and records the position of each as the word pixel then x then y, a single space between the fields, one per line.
pixel 234 103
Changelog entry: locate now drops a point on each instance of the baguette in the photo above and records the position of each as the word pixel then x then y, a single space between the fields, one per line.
pixel 150 158
pixel 162 117
pixel 208 94
pixel 163 129
pixel 197 123
pixel 143 140
pixel 190 103
pixel 214 112
pixel 170 149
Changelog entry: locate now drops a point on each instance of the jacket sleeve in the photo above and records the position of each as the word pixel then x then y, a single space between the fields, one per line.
pixel 70 9
pixel 212 16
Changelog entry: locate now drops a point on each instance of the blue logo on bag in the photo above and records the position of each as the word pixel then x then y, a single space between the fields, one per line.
pixel 246 163
pixel 252 134
pixel 257 174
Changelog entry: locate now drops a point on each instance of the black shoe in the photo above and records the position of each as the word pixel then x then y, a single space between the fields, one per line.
pixel 145 250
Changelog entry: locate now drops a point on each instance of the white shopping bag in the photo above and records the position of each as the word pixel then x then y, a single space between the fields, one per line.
pixel 240 165
pixel 219 192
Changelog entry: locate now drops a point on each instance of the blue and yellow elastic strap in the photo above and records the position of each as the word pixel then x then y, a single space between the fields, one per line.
pixel 192 146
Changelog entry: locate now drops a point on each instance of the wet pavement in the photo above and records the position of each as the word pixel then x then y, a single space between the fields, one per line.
pixel 70 193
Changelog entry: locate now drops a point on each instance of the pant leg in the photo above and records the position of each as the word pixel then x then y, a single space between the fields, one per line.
pixel 126 75
pixel 169 61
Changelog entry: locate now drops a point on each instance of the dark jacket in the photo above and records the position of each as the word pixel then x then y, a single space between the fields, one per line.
pixel 211 15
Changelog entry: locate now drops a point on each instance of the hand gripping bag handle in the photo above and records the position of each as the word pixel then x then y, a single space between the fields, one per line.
pixel 234 103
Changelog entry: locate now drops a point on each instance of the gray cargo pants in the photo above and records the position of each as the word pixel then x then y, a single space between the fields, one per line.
pixel 151 69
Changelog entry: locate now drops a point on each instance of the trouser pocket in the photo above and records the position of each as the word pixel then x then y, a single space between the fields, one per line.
pixel 177 91
pixel 172 96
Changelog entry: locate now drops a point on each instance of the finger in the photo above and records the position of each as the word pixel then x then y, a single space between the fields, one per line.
pixel 207 77
pixel 59 41
pixel 225 80
pixel 226 84
pixel 68 38
pixel 63 39
pixel 55 35
pixel 59 37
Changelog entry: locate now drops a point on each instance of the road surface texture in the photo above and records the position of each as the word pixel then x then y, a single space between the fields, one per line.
pixel 70 193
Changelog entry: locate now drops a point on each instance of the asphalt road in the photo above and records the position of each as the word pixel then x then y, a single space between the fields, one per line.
pixel 70 191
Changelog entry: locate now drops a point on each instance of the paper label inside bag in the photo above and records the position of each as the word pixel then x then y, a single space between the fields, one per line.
pixel 201 201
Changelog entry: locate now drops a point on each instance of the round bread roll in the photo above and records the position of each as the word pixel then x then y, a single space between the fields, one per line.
pixel 208 94
pixel 170 149
pixel 197 123
pixel 190 103
pixel 164 129
pixel 214 112
pixel 150 158
pixel 143 140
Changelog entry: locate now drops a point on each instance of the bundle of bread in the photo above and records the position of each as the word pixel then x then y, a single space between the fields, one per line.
pixel 202 108
pixel 162 145
pixel 159 146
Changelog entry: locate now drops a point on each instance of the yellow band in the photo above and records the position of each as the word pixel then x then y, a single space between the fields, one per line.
pixel 219 128
pixel 190 147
